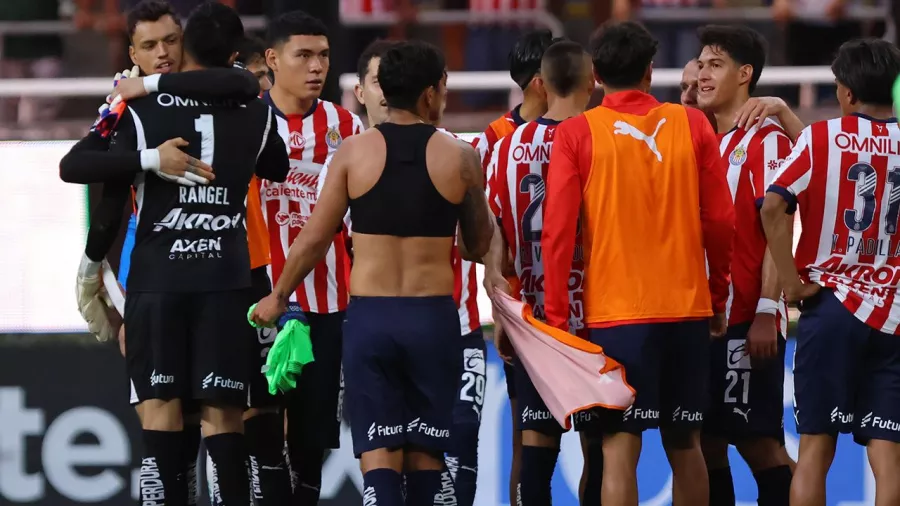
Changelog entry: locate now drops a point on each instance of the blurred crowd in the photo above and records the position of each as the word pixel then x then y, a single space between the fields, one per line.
pixel 800 32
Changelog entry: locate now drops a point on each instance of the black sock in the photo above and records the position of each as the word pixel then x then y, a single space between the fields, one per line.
pixel 382 487
pixel 162 476
pixel 228 453
pixel 462 462
pixel 774 486
pixel 306 466
pixel 538 464
pixel 721 487
pixel 270 478
pixel 429 487
pixel 191 442
pixel 594 480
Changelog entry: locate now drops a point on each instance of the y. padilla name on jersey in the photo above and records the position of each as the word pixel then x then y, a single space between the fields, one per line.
pixel 194 238
pixel 311 139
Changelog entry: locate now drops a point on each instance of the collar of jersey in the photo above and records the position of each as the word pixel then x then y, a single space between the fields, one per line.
pixel 516 117
pixel 547 121
pixel 268 100
pixel 628 98
pixel 870 118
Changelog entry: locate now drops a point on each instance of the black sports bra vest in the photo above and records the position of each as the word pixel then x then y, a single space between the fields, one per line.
pixel 404 201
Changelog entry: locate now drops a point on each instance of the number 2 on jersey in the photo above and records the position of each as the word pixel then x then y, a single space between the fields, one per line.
pixel 532 218
pixel 204 126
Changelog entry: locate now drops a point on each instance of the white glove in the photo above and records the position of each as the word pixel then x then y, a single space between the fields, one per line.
pixel 88 285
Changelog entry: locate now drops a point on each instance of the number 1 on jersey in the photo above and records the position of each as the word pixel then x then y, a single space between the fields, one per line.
pixel 204 126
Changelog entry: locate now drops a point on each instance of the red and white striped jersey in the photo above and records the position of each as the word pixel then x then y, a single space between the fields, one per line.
pixel 515 191
pixel 844 176
pixel 501 6
pixel 365 6
pixel 311 138
pixel 670 3
pixel 753 158
pixel 485 142
pixel 465 284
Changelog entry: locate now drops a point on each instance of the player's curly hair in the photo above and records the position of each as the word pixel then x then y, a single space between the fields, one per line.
pixel 621 53
pixel 869 68
pixel 407 69
pixel 743 45
pixel 213 33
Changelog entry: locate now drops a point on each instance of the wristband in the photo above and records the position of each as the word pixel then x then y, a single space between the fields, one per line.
pixel 767 306
pixel 151 83
pixel 150 159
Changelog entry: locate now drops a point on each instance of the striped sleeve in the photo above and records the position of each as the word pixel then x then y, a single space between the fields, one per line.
pixel 484 145
pixel 493 182
pixel 774 147
pixel 796 171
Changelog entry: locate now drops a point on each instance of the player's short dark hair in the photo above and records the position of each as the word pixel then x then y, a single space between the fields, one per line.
pixel 406 70
pixel 249 49
pixel 213 33
pixel 285 26
pixel 374 50
pixel 563 67
pixel 621 53
pixel 525 57
pixel 869 68
pixel 743 45
pixel 149 10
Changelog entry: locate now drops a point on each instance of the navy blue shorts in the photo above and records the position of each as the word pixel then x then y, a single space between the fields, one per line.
pixel 472 382
pixel 668 366
pixel 532 412
pixel 401 371
pixel 260 397
pixel 746 400
pixel 846 374
pixel 509 373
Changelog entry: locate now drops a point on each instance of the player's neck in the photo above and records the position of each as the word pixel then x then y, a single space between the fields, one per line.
pixel 725 114
pixel 403 117
pixel 532 107
pixel 563 108
pixel 288 104
pixel 876 111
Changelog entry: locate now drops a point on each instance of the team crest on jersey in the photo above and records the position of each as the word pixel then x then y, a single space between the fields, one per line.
pixel 738 156
pixel 297 140
pixel 333 138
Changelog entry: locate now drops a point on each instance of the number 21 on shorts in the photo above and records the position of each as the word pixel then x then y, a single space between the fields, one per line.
pixel 738 372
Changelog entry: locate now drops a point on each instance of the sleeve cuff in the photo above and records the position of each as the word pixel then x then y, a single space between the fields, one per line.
pixel 151 83
pixel 788 197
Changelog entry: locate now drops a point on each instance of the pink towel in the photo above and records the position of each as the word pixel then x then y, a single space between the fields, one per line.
pixel 570 373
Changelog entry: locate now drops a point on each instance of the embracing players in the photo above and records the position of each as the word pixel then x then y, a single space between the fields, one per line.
pixel 747 364
pixel 842 176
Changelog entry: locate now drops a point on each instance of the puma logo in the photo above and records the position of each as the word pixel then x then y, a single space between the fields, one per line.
pixel 623 128
pixel 745 414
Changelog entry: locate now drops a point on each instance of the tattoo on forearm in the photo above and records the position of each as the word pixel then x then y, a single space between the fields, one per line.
pixel 474 219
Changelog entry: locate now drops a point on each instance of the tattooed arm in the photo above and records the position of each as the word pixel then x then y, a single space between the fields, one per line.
pixel 475 225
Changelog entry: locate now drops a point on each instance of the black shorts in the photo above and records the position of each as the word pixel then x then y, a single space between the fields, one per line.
pixel 470 398
pixel 746 401
pixel 260 397
pixel 668 366
pixel 189 346
pixel 314 406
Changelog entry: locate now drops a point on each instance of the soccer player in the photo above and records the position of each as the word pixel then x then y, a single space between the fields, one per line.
pixel 524 69
pixel 299 57
pixel 189 284
pixel 515 190
pixel 841 176
pixel 689 83
pixel 747 364
pixel 401 335
pixel 252 56
pixel 635 170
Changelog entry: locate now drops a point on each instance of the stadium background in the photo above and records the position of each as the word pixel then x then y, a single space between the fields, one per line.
pixel 67 435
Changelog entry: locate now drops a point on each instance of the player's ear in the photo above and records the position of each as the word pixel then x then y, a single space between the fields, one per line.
pixel 272 59
pixel 357 90
pixel 745 73
pixel 131 54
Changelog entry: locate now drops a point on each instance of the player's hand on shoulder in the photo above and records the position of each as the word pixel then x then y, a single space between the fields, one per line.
pixel 762 338
pixel 130 89
pixel 268 310
pixel 756 110
pixel 169 162
pixel 718 325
